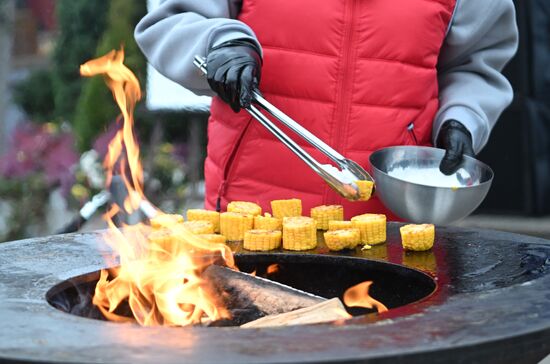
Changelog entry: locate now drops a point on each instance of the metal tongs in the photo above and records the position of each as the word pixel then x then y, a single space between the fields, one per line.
pixel 341 180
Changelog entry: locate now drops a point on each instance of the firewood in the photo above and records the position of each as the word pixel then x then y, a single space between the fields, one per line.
pixel 248 297
pixel 326 311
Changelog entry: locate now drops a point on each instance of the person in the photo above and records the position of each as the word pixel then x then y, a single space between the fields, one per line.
pixel 361 75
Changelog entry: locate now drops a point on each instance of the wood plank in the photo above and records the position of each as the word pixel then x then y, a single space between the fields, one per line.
pixel 326 311
pixel 248 297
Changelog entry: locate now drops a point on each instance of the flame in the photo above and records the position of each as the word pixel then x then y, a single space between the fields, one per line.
pixel 159 274
pixel 358 296
pixel 273 268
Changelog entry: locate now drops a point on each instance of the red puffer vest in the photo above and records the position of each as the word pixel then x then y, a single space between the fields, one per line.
pixel 359 74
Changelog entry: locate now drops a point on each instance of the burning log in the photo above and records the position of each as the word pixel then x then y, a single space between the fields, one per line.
pixel 326 311
pixel 248 297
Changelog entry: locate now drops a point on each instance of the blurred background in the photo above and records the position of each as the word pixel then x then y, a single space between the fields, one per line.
pixel 55 125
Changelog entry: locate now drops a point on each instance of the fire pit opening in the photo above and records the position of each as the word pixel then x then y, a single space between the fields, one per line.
pixel 323 275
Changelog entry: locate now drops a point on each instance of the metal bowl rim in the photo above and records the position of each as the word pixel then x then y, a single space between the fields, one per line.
pixel 378 151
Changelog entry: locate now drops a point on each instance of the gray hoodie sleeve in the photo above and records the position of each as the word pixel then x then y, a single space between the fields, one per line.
pixel 172 34
pixel 482 38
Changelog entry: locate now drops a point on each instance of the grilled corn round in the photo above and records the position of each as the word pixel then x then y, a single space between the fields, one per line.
pixel 372 227
pixel 286 208
pixel 325 213
pixel 342 239
pixel 214 238
pixel 339 225
pixel 267 222
pixel 199 227
pixel 165 221
pixel 244 207
pixel 299 233
pixel 417 237
pixel 262 240
pixel 205 215
pixel 233 225
pixel 365 189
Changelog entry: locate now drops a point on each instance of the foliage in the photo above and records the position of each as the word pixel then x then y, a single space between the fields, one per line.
pixel 40 149
pixel 40 159
pixel 166 182
pixel 96 107
pixel 81 24
pixel 35 96
pixel 50 95
pixel 21 196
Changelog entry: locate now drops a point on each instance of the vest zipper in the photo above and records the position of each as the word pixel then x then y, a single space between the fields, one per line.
pixel 410 130
pixel 345 89
pixel 230 160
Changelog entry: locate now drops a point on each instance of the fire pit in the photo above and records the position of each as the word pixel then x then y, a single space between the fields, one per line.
pixel 490 303
pixel 323 275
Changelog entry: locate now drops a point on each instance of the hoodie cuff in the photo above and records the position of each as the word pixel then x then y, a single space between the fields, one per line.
pixel 233 33
pixel 475 124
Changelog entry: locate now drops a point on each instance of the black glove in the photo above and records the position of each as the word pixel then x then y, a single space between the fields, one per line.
pixel 457 141
pixel 233 71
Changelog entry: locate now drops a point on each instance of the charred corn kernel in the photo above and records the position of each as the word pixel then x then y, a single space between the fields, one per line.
pixel 339 225
pixel 325 213
pixel 365 189
pixel 205 215
pixel 299 233
pixel 417 237
pixel 342 239
pixel 286 208
pixel 262 239
pixel 233 225
pixel 372 227
pixel 267 222
pixel 248 208
pixel 165 220
pixel 214 238
pixel 199 227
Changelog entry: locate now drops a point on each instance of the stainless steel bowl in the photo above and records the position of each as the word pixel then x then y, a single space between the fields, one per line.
pixel 423 202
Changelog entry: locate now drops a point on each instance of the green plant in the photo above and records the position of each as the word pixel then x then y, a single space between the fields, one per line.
pixel 35 95
pixel 22 195
pixel 81 24
pixel 96 108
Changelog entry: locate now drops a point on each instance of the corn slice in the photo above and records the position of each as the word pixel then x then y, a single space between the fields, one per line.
pixel 199 227
pixel 165 220
pixel 342 239
pixel 233 225
pixel 339 225
pixel 214 238
pixel 205 215
pixel 244 207
pixel 417 237
pixel 299 233
pixel 161 243
pixel 372 227
pixel 161 237
pixel 325 213
pixel 267 222
pixel 262 240
pixel 365 189
pixel 286 208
